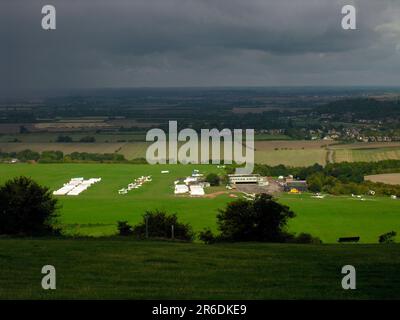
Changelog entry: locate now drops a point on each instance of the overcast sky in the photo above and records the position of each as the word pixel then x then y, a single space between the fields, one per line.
pixel 128 43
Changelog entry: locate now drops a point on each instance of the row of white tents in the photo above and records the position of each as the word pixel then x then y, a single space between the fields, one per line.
pixel 136 184
pixel 75 186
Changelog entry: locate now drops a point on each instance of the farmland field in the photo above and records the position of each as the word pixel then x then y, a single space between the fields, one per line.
pixel 294 153
pixel 287 152
pixel 96 211
pixel 367 154
pixel 127 269
pixel 388 178
pixel 365 145
pixel 293 157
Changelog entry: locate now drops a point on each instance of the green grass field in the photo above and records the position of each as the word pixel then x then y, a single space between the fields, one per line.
pixel 126 269
pixel 344 216
pixel 96 211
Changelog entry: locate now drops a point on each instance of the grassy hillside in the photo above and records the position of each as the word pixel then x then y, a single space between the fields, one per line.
pixel 98 269
pixel 96 211
pixel 344 216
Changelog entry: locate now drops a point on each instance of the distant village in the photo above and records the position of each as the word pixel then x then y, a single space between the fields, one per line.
pixel 348 134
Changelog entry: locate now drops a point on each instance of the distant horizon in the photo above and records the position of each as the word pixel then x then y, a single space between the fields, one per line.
pixel 70 91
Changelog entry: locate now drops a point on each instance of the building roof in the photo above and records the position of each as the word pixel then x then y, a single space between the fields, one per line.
pixel 243 175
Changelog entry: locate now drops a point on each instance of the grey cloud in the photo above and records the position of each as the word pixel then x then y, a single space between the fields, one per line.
pixel 197 42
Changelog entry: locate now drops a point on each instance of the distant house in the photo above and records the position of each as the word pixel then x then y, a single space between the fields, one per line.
pixel 299 185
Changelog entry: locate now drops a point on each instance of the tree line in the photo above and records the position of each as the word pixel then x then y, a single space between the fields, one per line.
pixel 59 157
pixel 344 171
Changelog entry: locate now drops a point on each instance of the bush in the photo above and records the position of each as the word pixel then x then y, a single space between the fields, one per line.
pixel 27 208
pixel 207 236
pixel 387 237
pixel 51 156
pixel 124 229
pixel 159 225
pixel 213 179
pixel 305 238
pixel 263 219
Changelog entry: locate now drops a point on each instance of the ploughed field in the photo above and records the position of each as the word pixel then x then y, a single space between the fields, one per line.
pixel 127 269
pixel 96 211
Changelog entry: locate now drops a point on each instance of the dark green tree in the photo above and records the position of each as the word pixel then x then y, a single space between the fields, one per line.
pixel 213 179
pixel 263 219
pixel 26 208
pixel 124 229
pixel 159 225
pixel 27 155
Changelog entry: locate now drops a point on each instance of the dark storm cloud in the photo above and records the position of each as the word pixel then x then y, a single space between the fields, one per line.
pixel 197 42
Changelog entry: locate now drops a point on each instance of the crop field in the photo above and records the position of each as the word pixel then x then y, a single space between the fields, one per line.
pixel 274 152
pixel 127 269
pixel 291 153
pixel 371 151
pixel 367 154
pixel 134 150
pixel 294 153
pixel 292 157
pixel 388 178
pixel 365 145
pixel 96 211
